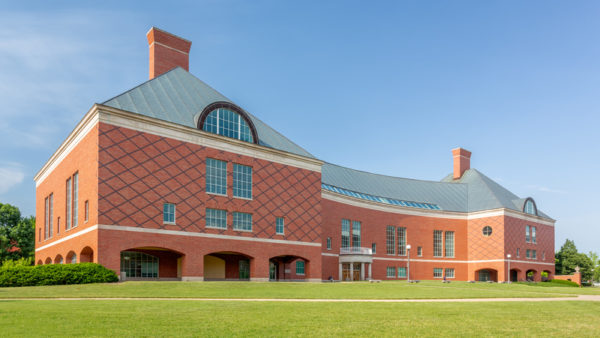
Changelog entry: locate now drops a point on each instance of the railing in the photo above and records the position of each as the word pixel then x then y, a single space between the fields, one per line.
pixel 356 251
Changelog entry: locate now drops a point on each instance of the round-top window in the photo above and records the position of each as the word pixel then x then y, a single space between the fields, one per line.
pixel 487 231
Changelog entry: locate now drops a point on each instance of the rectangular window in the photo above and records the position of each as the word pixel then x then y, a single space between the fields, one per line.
pixel 402 272
pixel 449 243
pixel 39 234
pixel 420 251
pixel 242 181
pixel 328 243
pixel 449 272
pixel 345 233
pixel 87 211
pixel 527 234
pixel 437 243
pixel 533 254
pixel 528 254
pixel 356 234
pixel 533 236
pixel 51 215
pixel 437 272
pixel 279 225
pixel 216 176
pixel 216 218
pixel 300 267
pixel 390 240
pixel 169 213
pixel 391 272
pixel 518 252
pixel 544 255
pixel 242 221
pixel 58 225
pixel 75 200
pixel 373 248
pixel 402 241
pixel 69 204
pixel 46 211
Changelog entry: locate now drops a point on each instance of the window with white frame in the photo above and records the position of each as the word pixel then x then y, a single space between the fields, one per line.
pixel 528 254
pixel 356 234
pixel 169 213
pixel 527 238
pixel 242 181
pixel 533 235
pixel 216 176
pixel 530 208
pixel 401 272
pixel 401 241
pixel 87 210
pixel 226 122
pixel 437 243
pixel 75 200
pixel 518 252
pixel 438 272
pixel 69 205
pixel 419 251
pixel 374 248
pixel 300 267
pixel 279 223
pixel 345 233
pixel 449 243
pixel 242 221
pixel 216 218
pixel 391 272
pixel 533 254
pixel 390 240
pixel 46 219
pixel 449 272
pixel 328 243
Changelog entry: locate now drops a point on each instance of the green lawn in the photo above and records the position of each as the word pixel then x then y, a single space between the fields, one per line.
pixel 384 290
pixel 117 318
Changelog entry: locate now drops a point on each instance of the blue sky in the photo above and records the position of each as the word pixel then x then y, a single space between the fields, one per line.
pixel 383 86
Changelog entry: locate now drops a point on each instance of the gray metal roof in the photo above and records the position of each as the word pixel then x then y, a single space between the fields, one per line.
pixel 179 97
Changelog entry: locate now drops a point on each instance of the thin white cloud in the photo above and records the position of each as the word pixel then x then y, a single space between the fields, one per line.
pixel 10 176
pixel 546 189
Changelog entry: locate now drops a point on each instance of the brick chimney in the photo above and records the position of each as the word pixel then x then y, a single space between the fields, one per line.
pixel 462 161
pixel 167 51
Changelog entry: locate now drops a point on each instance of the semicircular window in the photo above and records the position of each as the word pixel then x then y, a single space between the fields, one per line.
pixel 530 208
pixel 226 122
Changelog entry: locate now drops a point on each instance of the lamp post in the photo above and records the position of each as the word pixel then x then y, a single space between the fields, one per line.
pixel 408 265
pixel 508 256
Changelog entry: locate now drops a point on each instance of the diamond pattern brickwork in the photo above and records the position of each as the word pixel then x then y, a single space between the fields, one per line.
pixel 482 247
pixel 515 238
pixel 138 172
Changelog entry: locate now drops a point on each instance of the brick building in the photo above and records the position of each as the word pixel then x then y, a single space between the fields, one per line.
pixel 172 180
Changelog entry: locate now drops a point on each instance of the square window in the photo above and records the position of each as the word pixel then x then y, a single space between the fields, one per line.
pixel 391 272
pixel 437 272
pixel 242 181
pixel 216 176
pixel 449 273
pixel 216 218
pixel 169 213
pixel 401 272
pixel 279 223
pixel 242 221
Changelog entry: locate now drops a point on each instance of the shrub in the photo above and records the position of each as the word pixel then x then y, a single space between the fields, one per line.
pixel 56 274
pixel 9 263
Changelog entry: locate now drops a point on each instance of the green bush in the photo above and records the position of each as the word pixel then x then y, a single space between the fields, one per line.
pixel 9 263
pixel 56 274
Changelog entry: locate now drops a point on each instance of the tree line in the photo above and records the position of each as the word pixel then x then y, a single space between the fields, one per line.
pixel 17 235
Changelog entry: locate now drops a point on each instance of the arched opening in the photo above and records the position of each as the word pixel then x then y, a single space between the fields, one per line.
pixel 531 275
pixel 288 267
pixel 486 275
pixel 547 276
pixel 227 265
pixel 39 262
pixel 150 263
pixel 86 255
pixel 71 257
pixel 48 261
pixel 58 259
pixel 514 275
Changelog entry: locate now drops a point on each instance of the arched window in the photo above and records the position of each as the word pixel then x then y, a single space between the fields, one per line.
pixel 529 207
pixel 223 119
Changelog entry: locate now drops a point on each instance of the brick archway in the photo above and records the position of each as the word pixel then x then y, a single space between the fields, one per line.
pixel 227 265
pixel 288 267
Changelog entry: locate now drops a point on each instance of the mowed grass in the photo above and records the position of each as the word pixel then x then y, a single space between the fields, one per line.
pixel 22 318
pixel 357 290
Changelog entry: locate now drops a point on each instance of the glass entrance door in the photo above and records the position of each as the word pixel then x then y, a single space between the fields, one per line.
pixel 273 271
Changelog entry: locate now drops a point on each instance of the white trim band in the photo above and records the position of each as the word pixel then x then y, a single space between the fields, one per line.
pixel 459 262
pixel 77 234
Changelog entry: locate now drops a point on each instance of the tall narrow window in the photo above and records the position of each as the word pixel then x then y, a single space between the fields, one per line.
pixel 328 243
pixel 528 254
pixel 87 210
pixel 169 213
pixel 242 221
pixel 390 240
pixel 373 248
pixel 449 243
pixel 533 236
pixel 533 254
pixel 51 215
pixel 69 204
pixel 356 234
pixel 39 234
pixel 46 213
pixel 527 238
pixel 216 176
pixel 518 252
pixel 279 225
pixel 216 218
pixel 242 181
pixel 437 243
pixel 75 200
pixel 420 251
pixel 300 267
pixel 402 241
pixel 57 225
pixel 345 233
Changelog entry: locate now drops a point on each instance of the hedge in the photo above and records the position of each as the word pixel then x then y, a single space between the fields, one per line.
pixel 564 282
pixel 56 274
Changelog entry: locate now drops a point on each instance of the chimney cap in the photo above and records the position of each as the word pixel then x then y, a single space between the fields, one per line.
pixel 458 151
pixel 154 28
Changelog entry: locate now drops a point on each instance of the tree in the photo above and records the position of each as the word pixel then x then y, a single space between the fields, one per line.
pixel 596 265
pixel 568 258
pixel 17 234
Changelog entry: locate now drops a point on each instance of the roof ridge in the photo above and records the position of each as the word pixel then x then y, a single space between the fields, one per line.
pixel 485 180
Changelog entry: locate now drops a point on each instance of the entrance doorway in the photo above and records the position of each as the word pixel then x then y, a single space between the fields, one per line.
pixel 244 269
pixel 273 271
pixel 351 271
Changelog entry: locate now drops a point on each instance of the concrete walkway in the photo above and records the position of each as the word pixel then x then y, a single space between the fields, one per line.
pixel 458 300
